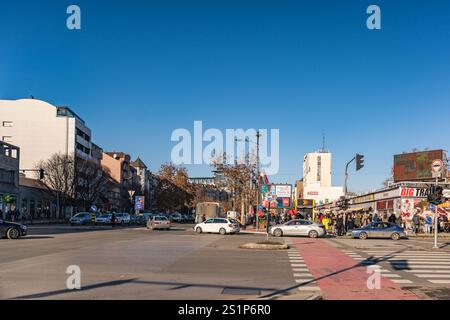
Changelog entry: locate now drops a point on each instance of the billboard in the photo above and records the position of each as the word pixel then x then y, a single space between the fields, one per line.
pixel 279 195
pixel 139 202
pixel 416 165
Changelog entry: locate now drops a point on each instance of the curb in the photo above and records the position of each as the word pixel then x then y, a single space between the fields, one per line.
pixel 264 246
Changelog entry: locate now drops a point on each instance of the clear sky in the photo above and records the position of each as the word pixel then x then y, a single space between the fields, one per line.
pixel 140 69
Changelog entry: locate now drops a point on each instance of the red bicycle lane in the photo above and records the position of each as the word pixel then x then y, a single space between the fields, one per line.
pixel 342 278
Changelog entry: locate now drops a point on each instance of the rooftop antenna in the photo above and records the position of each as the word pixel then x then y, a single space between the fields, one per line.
pixel 323 141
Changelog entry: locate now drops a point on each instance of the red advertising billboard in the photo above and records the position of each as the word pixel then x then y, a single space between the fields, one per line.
pixel 415 165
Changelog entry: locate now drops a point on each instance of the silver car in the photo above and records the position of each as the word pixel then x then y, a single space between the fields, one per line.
pixel 298 228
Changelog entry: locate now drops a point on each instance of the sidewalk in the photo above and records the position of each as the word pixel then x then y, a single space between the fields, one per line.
pixel 341 278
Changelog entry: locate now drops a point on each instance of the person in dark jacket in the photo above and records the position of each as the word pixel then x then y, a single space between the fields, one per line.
pixel 392 218
pixel 113 220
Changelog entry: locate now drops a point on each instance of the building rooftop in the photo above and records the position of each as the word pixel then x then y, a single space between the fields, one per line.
pixel 138 163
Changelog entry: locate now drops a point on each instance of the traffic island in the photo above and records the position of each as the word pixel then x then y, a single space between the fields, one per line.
pixel 265 245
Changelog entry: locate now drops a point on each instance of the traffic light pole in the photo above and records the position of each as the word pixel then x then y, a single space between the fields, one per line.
pixel 346 175
pixel 436 222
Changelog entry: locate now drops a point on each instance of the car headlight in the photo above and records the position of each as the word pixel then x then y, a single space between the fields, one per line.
pixel 24 227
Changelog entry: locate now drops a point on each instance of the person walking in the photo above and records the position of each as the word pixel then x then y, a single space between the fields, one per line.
pixel 399 220
pixel 113 220
pixel 416 222
pixel 428 223
pixel 350 223
pixel 340 225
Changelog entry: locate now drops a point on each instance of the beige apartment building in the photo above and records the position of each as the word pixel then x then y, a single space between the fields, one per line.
pixel 41 130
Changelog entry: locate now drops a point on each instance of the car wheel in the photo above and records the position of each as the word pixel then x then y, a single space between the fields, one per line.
pixel 278 233
pixel 395 236
pixel 222 231
pixel 198 230
pixel 363 236
pixel 313 234
pixel 13 233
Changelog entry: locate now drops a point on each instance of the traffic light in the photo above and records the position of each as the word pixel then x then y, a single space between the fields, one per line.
pixel 41 174
pixel 435 195
pixel 343 203
pixel 359 161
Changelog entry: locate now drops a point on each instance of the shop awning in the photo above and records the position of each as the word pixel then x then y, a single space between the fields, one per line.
pixel 355 209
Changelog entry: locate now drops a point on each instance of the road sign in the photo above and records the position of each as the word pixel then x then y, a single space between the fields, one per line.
pixel 436 168
pixel 93 208
pixel 436 165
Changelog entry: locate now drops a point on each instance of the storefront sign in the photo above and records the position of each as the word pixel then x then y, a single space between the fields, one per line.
pixel 414 192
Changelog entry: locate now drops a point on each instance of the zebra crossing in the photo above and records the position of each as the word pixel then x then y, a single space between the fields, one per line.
pixel 300 271
pixel 408 267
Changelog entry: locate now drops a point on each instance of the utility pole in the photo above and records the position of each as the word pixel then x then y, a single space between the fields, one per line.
pixel 258 180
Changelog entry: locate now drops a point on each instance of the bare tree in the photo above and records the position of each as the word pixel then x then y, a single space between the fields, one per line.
pixel 59 176
pixel 238 180
pixel 92 183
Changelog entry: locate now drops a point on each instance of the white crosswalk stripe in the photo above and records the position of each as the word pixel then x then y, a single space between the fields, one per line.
pixel 302 277
pixel 432 267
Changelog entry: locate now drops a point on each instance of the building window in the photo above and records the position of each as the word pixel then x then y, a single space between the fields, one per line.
pixel 7 138
pixel 85 136
pixel 7 123
pixel 319 168
pixel 82 148
pixel 7 176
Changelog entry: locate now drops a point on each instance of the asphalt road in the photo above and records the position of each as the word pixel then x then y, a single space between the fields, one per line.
pixel 135 263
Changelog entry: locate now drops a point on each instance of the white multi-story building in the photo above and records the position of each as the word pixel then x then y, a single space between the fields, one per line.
pixel 317 169
pixel 317 184
pixel 41 130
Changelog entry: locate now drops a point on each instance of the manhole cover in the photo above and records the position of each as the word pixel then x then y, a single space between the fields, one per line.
pixel 239 291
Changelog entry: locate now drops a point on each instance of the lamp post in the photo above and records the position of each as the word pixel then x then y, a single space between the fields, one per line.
pixel 258 173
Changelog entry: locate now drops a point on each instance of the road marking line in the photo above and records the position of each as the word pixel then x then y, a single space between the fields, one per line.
pixel 395 262
pixel 308 281
pixel 400 267
pixel 428 271
pixel 433 275
pixel 302 275
pixel 414 257
pixel 298 265
pixel 296 260
pixel 299 269
pixel 306 288
pixel 439 281
pixel 401 281
pixel 391 275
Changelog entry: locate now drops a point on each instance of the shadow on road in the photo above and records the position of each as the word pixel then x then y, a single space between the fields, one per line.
pixel 176 286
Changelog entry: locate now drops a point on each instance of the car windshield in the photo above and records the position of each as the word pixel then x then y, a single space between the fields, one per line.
pixel 232 220
pixel 160 218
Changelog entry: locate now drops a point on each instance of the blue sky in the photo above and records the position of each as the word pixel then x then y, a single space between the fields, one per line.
pixel 140 69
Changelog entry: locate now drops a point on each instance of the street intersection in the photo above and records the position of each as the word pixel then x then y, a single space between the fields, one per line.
pixel 134 263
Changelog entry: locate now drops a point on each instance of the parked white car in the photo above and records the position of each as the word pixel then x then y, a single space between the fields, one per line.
pixel 158 222
pixel 218 225
pixel 103 218
pixel 81 218
pixel 123 218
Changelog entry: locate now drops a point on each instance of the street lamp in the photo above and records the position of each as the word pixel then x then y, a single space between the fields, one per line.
pixel 258 173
